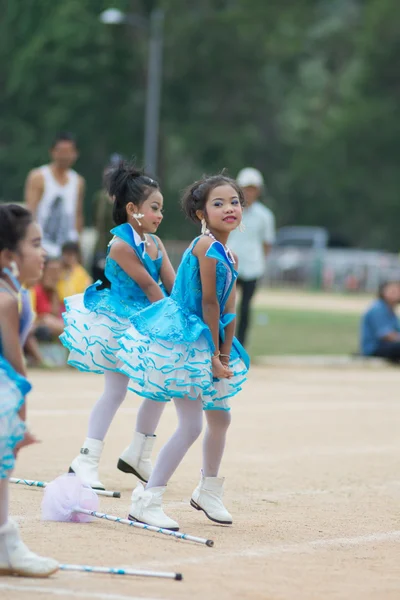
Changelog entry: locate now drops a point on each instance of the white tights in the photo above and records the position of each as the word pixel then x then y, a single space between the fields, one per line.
pixel 115 388
pixel 190 422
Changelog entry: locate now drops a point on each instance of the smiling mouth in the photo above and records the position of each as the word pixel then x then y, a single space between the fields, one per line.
pixel 229 219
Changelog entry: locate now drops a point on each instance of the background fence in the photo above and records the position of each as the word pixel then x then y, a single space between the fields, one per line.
pixel 330 269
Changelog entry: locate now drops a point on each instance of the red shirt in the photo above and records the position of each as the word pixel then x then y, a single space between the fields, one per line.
pixel 44 304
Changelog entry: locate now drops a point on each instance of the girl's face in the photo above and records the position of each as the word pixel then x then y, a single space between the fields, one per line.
pixel 223 209
pixel 391 293
pixel 151 209
pixel 30 255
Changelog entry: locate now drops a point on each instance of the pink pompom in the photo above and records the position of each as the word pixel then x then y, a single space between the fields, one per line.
pixel 65 494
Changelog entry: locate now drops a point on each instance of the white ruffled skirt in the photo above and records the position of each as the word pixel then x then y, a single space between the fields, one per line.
pixel 13 388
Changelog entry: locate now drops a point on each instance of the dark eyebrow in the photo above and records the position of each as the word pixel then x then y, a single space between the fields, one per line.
pixel 231 198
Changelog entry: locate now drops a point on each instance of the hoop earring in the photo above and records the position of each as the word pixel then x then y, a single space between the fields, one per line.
pixel 242 227
pixel 204 228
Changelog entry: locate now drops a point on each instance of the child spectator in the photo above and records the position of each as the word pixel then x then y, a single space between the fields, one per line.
pixel 74 278
pixel 47 304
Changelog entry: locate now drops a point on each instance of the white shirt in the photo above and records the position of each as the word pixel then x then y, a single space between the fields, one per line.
pixel 259 222
pixel 56 212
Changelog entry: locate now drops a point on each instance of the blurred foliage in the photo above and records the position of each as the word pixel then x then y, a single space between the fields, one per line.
pixel 307 91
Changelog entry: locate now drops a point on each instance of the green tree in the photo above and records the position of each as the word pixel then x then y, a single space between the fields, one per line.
pixel 305 91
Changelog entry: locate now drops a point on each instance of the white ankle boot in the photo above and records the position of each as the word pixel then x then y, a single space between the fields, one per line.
pixel 86 464
pixel 208 498
pixel 146 508
pixel 17 559
pixel 135 458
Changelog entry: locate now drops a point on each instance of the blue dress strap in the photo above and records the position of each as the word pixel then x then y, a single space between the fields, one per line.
pixel 217 251
pixel 125 232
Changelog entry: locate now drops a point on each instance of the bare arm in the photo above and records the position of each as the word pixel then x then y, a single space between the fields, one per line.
pixel 210 304
pixel 269 232
pixel 230 307
pixel 167 273
pixel 267 248
pixel 393 336
pixel 208 276
pixel 130 263
pixel 34 188
pixel 9 327
pixel 80 222
pixel 32 348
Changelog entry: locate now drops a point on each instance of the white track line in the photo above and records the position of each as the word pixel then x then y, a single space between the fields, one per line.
pixel 56 591
pixel 301 548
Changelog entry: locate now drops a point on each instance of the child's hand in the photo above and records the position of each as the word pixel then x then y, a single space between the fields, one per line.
pixel 225 360
pixel 219 370
pixel 29 438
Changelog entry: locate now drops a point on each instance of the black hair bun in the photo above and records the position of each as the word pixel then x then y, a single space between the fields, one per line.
pixel 118 177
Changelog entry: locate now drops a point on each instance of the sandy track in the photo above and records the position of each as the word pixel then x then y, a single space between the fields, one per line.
pixel 312 479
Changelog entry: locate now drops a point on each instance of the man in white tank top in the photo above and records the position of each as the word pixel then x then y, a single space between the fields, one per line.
pixel 54 193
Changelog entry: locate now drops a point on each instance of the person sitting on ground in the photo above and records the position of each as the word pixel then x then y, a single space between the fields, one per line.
pixel 74 278
pixel 380 326
pixel 47 304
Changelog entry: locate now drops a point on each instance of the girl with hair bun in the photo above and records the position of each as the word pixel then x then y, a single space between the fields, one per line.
pixel 21 260
pixel 192 355
pixel 94 321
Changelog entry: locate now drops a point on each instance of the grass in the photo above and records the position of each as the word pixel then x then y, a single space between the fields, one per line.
pixel 299 332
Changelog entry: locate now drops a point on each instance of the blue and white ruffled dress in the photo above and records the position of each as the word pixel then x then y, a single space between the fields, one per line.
pixel 94 321
pixel 176 359
pixel 13 389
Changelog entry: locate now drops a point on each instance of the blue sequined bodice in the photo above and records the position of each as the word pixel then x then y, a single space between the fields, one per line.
pixel 187 290
pixel 26 316
pixel 125 296
pixel 124 286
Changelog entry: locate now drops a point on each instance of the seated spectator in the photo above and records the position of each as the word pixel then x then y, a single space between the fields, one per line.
pixel 380 326
pixel 73 279
pixel 47 304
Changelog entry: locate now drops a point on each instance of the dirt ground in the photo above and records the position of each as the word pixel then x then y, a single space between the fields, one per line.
pixel 312 473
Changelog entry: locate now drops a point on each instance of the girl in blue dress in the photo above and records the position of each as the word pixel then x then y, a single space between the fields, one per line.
pixel 94 321
pixel 21 260
pixel 193 356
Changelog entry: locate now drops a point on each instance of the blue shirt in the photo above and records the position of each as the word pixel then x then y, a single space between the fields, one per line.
pixel 379 320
